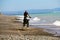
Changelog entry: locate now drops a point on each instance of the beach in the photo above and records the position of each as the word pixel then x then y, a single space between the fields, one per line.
pixel 10 29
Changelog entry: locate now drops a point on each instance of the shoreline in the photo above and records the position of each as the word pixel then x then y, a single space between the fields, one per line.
pixel 8 26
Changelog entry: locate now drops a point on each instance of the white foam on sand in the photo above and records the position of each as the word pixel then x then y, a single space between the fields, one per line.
pixel 57 23
pixel 19 18
pixel 35 19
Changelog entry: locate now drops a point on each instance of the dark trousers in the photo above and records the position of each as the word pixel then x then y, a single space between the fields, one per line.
pixel 25 21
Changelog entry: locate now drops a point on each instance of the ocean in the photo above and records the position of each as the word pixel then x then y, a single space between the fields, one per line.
pixel 48 21
pixel 43 18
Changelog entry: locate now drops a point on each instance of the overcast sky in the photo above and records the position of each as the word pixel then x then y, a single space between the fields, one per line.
pixel 16 5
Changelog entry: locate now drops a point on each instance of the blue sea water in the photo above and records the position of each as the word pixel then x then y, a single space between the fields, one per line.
pixel 47 17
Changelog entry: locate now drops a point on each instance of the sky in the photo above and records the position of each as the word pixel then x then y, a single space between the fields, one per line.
pixel 17 5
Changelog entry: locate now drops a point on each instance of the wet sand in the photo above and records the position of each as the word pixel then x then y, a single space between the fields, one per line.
pixel 10 29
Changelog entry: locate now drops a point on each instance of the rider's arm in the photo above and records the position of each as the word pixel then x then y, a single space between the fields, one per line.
pixel 29 16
